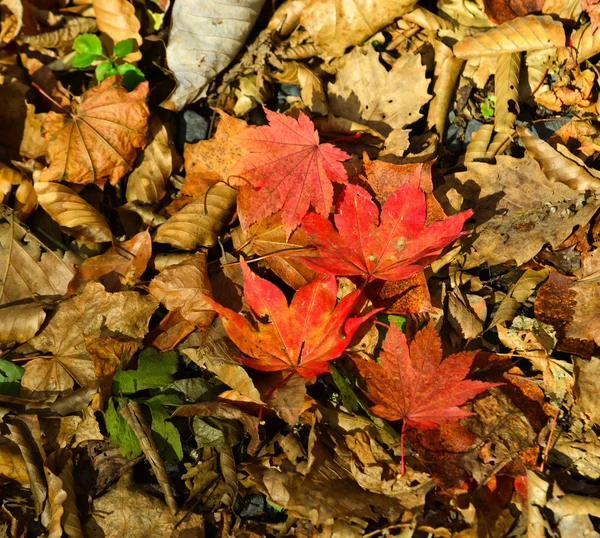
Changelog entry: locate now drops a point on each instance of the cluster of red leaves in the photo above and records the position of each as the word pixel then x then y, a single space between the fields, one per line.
pixel 287 169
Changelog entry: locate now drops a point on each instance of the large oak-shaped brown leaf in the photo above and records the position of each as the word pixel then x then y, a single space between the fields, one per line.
pixel 100 138
pixel 414 384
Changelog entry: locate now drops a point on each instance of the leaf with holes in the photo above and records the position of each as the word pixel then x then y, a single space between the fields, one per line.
pixel 302 336
pixel 393 246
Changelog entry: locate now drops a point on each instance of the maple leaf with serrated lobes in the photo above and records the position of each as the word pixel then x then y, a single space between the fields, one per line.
pixel 394 247
pixel 413 383
pixel 286 169
pixel 302 336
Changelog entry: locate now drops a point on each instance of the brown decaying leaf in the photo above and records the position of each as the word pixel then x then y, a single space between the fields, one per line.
pixel 208 161
pixel 117 19
pixel 287 16
pixel 200 222
pixel 27 267
pixel 147 183
pixel 506 86
pixel 585 42
pixel 12 464
pixel 75 216
pixel 121 265
pixel 62 37
pixel 19 323
pixel 586 315
pixel 335 25
pixel 25 200
pixel 365 92
pixel 477 148
pixel 183 287
pixel 100 138
pixel 523 34
pixel 587 376
pixel 500 11
pixel 311 86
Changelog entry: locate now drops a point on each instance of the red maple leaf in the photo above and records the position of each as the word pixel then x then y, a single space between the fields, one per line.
pixel 414 384
pixel 393 248
pixel 302 336
pixel 287 170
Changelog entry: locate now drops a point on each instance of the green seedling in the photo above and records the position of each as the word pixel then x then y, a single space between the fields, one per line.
pixel 89 51
pixel 488 107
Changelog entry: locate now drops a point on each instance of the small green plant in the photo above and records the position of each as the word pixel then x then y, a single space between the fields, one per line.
pixel 89 50
pixel 488 107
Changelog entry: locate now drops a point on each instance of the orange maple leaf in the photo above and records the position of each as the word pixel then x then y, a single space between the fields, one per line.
pixel 302 336
pixel 286 169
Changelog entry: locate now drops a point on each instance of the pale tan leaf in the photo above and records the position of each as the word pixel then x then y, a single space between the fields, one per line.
pixel 557 167
pixel 335 25
pixel 585 324
pixel 117 19
pixel 518 294
pixel 56 499
pixel 311 86
pixel 100 138
pixel 287 16
pixel 587 385
pixel 428 20
pixel 133 414
pixel 27 268
pixel 147 183
pixel 74 215
pixel 479 143
pixel 184 287
pixel 396 143
pixel 250 94
pixel 531 32
pixel 8 177
pixel 200 222
pixel 25 200
pixel 499 144
pixel 506 81
pixel 19 323
pixel 199 49
pixel 462 316
pixel 64 36
pixel 585 43
pixel 365 92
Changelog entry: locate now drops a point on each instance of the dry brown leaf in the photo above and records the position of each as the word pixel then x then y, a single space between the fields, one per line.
pixel 586 316
pixel 523 34
pixel 27 267
pixel 183 287
pixel 208 161
pixel 585 42
pixel 287 16
pixel 117 19
pixel 101 137
pixel 19 323
pixel 199 49
pixel 365 92
pixel 135 512
pixel 518 210
pixel 25 200
pixel 12 464
pixel 268 238
pixel 506 86
pixel 556 166
pixel 463 314
pixel 311 86
pixel 84 315
pixel 121 265
pixel 63 37
pixel 587 378
pixel 147 183
pixel 200 222
pixel 75 216
pixel 335 25
pixel 477 148
pixel 33 144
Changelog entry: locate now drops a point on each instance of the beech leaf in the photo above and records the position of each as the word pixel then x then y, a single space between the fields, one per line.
pixel 413 384
pixel 101 136
pixel 303 336
pixel 394 246
pixel 287 169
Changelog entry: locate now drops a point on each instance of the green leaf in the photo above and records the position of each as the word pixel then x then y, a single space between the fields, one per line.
pixel 125 47
pixel 132 76
pixel 10 378
pixel 165 434
pixel 154 370
pixel 121 434
pixel 349 398
pixel 82 60
pixel 217 433
pixel 102 70
pixel 88 44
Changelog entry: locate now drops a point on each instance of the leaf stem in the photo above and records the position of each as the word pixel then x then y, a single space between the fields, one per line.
pixel 403 468
pixel 51 99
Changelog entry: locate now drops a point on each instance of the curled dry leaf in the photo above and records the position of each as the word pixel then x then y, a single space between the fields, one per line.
pixel 199 49
pixel 506 81
pixel 200 222
pixel 74 215
pixel 585 41
pixel 12 464
pixel 287 16
pixel 27 267
pixel 19 323
pixel 335 25
pixel 184 287
pixel 62 37
pixel 523 34
pixel 116 18
pixel 365 92
pixel 311 86
pixel 147 183
pixel 302 336
pixel 100 138
pixel 120 265
pixel 556 166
